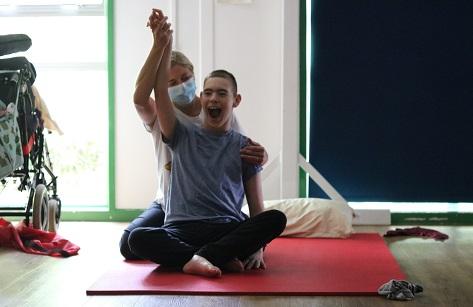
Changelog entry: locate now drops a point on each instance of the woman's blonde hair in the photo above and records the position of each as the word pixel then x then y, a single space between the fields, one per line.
pixel 178 58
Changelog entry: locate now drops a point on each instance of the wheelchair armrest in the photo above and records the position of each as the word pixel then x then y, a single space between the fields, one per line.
pixel 12 43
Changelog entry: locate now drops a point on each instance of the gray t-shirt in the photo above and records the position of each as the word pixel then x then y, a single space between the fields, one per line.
pixel 207 175
pixel 163 153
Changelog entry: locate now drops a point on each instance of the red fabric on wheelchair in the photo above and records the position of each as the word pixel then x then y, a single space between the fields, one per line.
pixel 26 148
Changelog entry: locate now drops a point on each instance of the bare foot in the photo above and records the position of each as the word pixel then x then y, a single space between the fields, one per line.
pixel 200 266
pixel 234 265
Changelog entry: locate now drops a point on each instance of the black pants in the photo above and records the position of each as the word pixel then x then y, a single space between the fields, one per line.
pixel 175 244
pixel 151 217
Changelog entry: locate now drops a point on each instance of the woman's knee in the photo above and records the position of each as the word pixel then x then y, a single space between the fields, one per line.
pixel 125 248
pixel 140 238
pixel 136 238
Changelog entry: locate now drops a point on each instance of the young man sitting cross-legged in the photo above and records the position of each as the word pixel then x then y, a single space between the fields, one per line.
pixel 205 231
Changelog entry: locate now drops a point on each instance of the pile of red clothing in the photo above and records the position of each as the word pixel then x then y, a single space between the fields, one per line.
pixel 35 241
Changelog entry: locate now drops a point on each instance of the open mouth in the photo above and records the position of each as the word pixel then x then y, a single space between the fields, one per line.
pixel 214 112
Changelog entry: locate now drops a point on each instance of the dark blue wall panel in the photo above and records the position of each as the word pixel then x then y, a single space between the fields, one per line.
pixel 392 99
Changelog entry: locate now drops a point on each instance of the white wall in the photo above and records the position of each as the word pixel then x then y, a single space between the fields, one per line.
pixel 135 179
pixel 250 40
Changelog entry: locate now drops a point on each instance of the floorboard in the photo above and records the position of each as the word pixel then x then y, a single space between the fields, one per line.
pixel 444 269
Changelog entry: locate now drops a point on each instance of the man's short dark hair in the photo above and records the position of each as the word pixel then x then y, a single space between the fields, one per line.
pixel 221 73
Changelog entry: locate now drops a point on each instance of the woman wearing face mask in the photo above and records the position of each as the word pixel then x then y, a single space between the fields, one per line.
pixel 187 107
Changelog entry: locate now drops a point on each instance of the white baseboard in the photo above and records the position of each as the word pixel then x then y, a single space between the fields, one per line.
pixel 372 217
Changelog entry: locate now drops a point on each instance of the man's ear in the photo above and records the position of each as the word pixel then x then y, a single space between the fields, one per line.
pixel 237 101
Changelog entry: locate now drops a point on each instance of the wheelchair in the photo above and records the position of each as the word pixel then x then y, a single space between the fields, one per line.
pixel 24 155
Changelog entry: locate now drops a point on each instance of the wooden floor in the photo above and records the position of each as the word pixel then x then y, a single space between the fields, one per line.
pixel 445 269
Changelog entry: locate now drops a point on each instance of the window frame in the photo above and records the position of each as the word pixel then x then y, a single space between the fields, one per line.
pixel 108 211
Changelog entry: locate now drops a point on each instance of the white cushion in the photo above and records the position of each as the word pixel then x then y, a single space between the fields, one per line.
pixel 314 217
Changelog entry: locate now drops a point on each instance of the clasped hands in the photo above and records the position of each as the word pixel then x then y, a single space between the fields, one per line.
pixel 162 32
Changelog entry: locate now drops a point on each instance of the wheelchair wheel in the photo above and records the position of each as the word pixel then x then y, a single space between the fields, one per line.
pixel 40 207
pixel 54 214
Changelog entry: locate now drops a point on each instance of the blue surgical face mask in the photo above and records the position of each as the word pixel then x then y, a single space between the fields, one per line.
pixel 184 93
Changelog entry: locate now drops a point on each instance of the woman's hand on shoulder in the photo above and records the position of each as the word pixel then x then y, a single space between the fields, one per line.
pixel 254 153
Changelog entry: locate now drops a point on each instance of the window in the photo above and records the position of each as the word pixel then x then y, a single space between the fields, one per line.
pixel 388 127
pixel 69 52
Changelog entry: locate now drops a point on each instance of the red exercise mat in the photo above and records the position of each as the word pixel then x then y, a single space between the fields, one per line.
pixel 295 266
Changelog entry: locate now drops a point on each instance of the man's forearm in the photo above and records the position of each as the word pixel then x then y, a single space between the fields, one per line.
pixel 254 195
pixel 164 106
